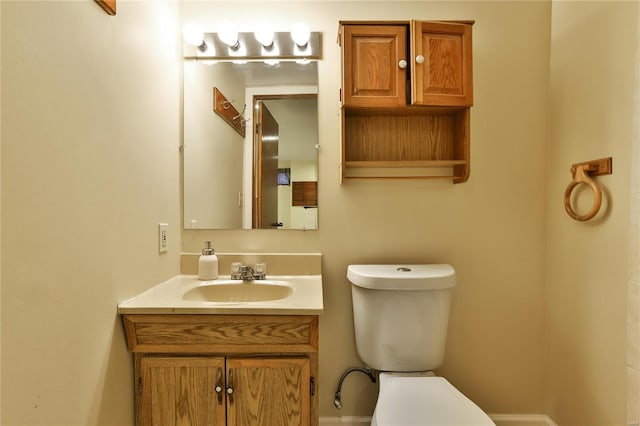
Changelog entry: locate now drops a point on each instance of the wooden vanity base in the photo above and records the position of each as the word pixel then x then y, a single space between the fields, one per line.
pixel 224 369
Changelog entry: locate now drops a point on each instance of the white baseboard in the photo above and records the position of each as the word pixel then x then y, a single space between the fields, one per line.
pixel 524 419
pixel 501 419
pixel 345 420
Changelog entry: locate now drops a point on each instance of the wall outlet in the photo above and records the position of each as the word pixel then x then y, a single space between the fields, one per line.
pixel 163 241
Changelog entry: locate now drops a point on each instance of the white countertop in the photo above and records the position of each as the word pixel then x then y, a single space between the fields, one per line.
pixel 167 298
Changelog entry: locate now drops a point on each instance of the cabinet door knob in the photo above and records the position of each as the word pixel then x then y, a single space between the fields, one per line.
pixel 230 386
pixel 420 59
pixel 218 387
pixel 402 64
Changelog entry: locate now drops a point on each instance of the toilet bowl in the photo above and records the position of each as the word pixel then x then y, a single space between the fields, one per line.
pixel 400 315
pixel 424 400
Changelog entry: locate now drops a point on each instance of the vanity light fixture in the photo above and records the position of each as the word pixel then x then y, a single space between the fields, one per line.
pixel 300 34
pixel 264 44
pixel 194 36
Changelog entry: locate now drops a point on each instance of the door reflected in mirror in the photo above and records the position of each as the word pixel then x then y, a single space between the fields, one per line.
pixel 236 182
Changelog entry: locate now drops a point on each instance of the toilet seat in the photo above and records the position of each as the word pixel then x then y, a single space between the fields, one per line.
pixel 424 400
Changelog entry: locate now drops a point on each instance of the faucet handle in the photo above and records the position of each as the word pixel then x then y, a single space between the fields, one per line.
pixel 235 267
pixel 260 270
pixel 235 270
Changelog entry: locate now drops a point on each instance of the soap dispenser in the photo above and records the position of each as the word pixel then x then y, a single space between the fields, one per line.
pixel 208 263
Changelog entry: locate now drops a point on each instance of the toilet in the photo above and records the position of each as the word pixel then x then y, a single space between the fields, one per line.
pixel 400 315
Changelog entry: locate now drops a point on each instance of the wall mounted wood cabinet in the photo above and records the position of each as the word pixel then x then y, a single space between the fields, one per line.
pixel 234 370
pixel 406 93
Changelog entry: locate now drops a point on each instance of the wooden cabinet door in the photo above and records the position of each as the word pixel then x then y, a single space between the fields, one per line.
pixel 372 74
pixel 441 64
pixel 269 392
pixel 181 392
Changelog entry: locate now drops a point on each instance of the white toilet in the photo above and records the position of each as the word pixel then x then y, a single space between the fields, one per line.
pixel 400 315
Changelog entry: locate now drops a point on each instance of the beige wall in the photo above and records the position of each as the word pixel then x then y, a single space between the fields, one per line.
pixel 491 228
pixel 90 165
pixel 633 296
pixel 0 225
pixel 593 52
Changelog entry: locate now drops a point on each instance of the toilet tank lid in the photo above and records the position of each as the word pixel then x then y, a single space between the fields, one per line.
pixel 402 277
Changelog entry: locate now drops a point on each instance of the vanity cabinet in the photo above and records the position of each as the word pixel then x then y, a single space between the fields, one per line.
pixel 407 88
pixel 234 370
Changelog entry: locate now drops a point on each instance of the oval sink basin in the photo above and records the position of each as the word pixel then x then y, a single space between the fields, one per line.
pixel 239 291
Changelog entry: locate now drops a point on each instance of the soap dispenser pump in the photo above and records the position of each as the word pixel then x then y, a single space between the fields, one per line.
pixel 208 263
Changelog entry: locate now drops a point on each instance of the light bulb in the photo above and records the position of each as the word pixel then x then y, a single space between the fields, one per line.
pixel 194 36
pixel 264 34
pixel 300 34
pixel 228 35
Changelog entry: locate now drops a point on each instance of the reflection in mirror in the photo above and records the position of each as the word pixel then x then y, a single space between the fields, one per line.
pixel 231 182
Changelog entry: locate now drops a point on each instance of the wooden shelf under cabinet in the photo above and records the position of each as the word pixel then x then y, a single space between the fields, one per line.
pixel 429 143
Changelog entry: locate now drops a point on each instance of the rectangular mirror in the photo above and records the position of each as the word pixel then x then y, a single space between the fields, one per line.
pixel 233 181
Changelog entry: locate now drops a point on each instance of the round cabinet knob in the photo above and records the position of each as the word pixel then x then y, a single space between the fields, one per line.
pixel 402 64
pixel 229 391
pixel 218 389
pixel 420 59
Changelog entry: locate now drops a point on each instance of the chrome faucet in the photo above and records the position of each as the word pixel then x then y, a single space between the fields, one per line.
pixel 247 273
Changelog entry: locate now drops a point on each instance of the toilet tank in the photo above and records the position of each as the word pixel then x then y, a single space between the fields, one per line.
pixel 400 314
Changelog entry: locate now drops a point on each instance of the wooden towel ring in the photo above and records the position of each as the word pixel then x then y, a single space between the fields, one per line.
pixel 582 177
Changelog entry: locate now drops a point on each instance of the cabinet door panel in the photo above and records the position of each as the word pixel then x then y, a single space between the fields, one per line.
pixel 181 392
pixel 445 76
pixel 269 391
pixel 372 76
